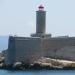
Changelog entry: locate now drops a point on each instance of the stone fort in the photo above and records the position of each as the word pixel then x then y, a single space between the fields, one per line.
pixel 40 44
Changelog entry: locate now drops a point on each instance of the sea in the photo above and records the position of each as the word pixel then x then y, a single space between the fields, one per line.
pixel 44 72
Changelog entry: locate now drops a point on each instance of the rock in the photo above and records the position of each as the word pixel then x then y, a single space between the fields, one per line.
pixel 17 65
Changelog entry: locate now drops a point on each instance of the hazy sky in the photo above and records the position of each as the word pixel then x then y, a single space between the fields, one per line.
pixel 17 17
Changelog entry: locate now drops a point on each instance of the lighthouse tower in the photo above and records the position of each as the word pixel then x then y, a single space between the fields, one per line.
pixel 40 23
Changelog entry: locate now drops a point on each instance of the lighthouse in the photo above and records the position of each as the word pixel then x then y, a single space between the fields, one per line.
pixel 41 23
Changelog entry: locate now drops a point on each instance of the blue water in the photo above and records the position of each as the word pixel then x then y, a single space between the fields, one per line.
pixel 62 72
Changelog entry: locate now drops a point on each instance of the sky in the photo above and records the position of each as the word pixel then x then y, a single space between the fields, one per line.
pixel 18 17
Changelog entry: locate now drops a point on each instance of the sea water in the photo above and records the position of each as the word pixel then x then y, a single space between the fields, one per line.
pixel 45 72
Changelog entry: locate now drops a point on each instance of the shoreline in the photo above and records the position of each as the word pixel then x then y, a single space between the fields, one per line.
pixel 35 67
pixel 41 64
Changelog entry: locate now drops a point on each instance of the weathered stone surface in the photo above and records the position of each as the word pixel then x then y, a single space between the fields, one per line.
pixel 29 49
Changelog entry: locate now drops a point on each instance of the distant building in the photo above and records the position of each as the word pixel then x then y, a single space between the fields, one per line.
pixel 40 44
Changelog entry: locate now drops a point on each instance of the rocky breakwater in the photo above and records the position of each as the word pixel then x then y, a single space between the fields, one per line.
pixel 56 63
pixel 42 63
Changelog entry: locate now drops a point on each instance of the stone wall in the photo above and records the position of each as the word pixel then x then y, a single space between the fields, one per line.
pixel 30 49
pixel 26 50
pixel 10 51
pixel 63 48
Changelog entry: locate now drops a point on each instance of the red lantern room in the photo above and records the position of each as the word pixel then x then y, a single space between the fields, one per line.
pixel 41 8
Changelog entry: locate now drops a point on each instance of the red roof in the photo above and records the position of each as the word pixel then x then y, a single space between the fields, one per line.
pixel 41 7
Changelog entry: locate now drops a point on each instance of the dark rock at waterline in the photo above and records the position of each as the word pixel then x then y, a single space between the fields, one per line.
pixel 33 67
